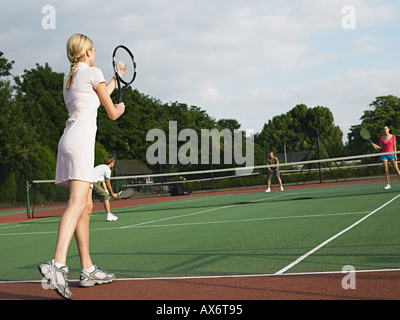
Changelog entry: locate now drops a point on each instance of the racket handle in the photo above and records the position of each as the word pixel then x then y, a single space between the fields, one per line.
pixel 119 97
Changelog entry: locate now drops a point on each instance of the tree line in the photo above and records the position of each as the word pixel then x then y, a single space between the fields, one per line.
pixel 33 115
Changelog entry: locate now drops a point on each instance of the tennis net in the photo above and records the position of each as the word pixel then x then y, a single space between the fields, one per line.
pixel 306 180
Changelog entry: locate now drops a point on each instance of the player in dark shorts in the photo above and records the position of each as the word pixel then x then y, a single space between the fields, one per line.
pixel 273 171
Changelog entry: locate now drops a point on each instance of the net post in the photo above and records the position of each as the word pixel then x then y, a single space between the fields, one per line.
pixel 162 180
pixel 319 156
pixel 28 214
pixel 27 200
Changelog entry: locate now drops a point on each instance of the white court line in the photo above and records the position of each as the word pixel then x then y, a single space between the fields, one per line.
pixel 260 275
pixel 332 238
pixel 27 223
pixel 143 224
pixel 191 214
pixel 125 227
pixel 176 217
pixel 244 220
pixel 221 276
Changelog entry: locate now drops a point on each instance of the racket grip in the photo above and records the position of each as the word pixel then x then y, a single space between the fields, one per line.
pixel 119 98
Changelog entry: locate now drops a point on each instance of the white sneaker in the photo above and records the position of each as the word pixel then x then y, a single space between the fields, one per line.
pixel 111 217
pixel 388 187
pixel 98 276
pixel 268 190
pixel 282 189
pixel 57 278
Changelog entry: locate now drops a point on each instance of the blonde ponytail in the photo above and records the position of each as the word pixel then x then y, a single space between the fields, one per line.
pixel 76 49
pixel 71 75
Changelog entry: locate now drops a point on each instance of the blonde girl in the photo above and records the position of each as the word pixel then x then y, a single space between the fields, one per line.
pixel 84 91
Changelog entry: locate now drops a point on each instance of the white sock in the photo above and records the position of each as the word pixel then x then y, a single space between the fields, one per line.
pixel 58 265
pixel 89 270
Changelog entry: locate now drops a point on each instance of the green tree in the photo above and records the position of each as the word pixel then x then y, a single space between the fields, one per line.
pixel 39 91
pixel 231 124
pixel 297 130
pixel 384 111
pixel 126 137
pixel 18 142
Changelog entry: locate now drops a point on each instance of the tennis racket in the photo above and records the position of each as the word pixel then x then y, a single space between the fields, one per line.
pixel 366 135
pixel 125 194
pixel 124 68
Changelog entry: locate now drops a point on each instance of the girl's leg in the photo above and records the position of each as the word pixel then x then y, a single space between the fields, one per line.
pixel 77 202
pixel 88 278
pixel 82 233
pixel 385 165
pixel 396 167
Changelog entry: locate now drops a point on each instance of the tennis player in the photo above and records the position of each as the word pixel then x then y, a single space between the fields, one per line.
pixel 388 144
pixel 84 90
pixel 102 189
pixel 274 171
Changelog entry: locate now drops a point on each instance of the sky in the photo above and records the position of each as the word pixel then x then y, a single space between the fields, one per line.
pixel 249 60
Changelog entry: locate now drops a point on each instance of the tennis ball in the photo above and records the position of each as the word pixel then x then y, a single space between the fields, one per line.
pixel 120 65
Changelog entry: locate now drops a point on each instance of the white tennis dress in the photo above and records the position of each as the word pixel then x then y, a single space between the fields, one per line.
pixel 75 157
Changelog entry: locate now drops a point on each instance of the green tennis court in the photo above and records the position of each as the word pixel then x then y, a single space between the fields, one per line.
pixel 259 233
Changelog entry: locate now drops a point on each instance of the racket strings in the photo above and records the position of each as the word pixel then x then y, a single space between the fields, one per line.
pixel 365 134
pixel 123 59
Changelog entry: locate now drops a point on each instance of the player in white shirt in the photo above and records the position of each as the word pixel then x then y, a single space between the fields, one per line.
pixel 102 187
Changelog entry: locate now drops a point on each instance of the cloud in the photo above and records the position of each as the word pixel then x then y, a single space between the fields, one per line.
pixel 368 43
pixel 347 95
pixel 211 94
pixel 319 59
